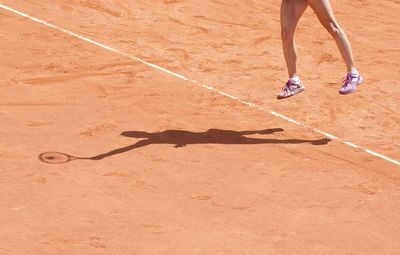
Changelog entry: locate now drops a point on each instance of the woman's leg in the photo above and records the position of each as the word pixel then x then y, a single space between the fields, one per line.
pixel 323 10
pixel 291 11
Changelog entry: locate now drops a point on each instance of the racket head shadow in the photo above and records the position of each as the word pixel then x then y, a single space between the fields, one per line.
pixel 55 157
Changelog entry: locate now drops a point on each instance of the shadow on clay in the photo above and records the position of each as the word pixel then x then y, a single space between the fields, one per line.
pixel 182 138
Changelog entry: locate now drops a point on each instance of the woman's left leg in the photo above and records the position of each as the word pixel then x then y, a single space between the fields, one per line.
pixel 323 10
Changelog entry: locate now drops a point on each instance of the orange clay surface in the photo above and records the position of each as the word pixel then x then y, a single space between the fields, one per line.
pixel 177 169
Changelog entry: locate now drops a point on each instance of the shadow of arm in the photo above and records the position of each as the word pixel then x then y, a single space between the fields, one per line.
pixel 262 132
pixel 139 144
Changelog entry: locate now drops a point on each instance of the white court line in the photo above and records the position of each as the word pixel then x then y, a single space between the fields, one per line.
pixel 179 76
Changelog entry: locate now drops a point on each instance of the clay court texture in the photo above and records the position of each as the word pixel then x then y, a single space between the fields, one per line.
pixel 178 143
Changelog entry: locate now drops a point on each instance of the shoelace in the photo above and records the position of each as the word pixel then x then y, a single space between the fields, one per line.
pixel 347 80
pixel 286 87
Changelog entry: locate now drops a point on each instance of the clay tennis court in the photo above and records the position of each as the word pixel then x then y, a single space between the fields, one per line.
pixel 165 142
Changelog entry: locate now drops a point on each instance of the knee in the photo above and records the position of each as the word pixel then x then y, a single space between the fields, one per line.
pixel 287 34
pixel 333 28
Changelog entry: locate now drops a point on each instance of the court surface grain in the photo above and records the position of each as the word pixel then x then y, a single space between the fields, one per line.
pixel 168 167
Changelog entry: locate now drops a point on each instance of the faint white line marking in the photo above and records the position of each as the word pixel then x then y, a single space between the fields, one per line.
pixel 101 45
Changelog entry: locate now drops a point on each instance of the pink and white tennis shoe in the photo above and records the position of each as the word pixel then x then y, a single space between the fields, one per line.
pixel 350 83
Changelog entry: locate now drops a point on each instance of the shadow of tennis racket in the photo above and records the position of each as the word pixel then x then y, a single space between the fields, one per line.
pixel 57 158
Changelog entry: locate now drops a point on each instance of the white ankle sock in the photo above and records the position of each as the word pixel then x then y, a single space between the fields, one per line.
pixel 355 73
pixel 295 80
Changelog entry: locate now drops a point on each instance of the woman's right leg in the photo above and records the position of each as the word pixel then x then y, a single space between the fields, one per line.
pixel 291 11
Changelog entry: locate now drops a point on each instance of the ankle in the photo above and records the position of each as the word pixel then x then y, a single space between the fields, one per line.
pixel 354 72
pixel 295 79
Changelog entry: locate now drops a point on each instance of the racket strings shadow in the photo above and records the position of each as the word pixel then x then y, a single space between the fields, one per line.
pixel 182 138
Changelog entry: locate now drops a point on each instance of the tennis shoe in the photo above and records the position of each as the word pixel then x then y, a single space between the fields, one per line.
pixel 290 89
pixel 350 83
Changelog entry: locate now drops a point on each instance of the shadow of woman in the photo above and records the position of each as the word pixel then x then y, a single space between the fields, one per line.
pixel 181 138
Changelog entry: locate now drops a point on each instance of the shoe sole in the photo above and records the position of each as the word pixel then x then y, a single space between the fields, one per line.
pixel 354 90
pixel 295 92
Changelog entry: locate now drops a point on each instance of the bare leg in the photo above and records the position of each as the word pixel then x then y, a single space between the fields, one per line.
pixel 323 10
pixel 291 11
